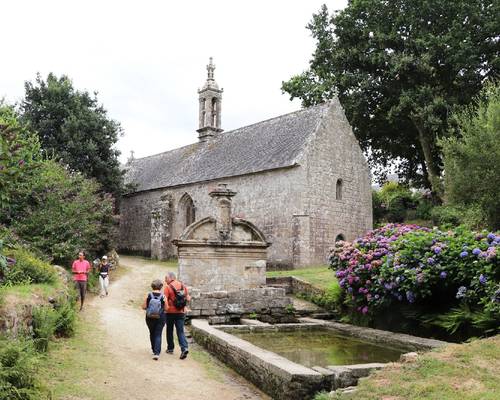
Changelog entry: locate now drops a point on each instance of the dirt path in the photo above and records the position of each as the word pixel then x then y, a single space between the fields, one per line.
pixel 135 375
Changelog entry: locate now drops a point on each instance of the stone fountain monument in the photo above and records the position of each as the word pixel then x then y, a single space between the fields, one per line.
pixel 223 260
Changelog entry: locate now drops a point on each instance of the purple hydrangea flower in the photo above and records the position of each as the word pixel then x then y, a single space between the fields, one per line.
pixel 476 251
pixel 464 254
pixel 462 290
pixel 443 274
pixel 482 279
pixel 410 296
pixel 491 236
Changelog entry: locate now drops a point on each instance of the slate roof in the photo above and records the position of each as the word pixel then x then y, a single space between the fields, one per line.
pixel 270 144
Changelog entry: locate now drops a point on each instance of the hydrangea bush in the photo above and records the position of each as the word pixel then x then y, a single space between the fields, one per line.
pixel 418 266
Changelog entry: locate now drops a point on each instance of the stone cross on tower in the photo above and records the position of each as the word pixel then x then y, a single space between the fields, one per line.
pixel 210 99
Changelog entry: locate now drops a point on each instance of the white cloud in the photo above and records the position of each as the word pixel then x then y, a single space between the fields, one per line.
pixel 147 59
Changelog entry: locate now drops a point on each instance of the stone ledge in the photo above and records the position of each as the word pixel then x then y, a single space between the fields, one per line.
pixel 277 376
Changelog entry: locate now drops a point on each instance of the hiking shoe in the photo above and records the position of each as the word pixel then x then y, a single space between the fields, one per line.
pixel 169 351
pixel 156 357
pixel 184 354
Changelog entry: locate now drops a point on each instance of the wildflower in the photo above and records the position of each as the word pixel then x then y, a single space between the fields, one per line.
pixel 431 261
pixel 463 254
pixel 482 279
pixel 349 289
pixel 476 251
pixel 437 250
pixel 462 290
pixel 491 236
pixel 364 310
pixel 443 274
pixel 21 163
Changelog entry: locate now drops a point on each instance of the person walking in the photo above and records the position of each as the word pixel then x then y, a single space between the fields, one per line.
pixel 177 297
pixel 155 305
pixel 80 269
pixel 103 270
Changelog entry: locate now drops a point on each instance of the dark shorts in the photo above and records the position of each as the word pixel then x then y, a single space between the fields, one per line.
pixel 81 288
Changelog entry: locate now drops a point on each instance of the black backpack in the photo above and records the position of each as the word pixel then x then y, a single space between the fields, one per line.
pixel 180 297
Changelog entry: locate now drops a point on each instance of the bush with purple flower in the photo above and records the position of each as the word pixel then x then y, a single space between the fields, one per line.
pixel 416 266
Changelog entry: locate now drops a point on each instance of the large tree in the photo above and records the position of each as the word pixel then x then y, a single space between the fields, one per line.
pixel 398 68
pixel 75 128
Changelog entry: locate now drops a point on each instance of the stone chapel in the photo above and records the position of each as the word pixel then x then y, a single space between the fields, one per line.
pixel 301 178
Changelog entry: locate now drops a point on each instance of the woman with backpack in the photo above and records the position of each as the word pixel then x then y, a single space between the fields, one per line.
pixel 155 306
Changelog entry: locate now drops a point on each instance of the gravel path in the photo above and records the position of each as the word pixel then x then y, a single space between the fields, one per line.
pixel 136 376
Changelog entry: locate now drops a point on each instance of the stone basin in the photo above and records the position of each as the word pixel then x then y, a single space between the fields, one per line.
pixel 283 378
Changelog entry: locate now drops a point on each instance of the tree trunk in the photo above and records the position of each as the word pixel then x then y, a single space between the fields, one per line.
pixel 426 143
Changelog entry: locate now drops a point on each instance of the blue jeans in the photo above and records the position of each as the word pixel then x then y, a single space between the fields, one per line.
pixel 155 326
pixel 178 321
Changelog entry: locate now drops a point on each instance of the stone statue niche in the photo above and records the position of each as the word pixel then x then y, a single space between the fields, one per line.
pixel 222 252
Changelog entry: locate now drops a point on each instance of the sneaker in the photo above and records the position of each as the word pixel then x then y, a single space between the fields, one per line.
pixel 184 354
pixel 156 357
pixel 169 351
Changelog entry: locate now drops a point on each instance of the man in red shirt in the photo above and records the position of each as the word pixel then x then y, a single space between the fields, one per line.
pixel 80 269
pixel 175 291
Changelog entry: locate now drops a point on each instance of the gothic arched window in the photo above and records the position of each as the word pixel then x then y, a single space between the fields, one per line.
pixel 338 190
pixel 214 112
pixel 187 212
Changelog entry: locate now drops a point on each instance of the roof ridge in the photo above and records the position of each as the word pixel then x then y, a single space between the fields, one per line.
pixel 278 116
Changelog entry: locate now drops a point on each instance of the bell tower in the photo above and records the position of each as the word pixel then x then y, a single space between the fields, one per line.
pixel 210 98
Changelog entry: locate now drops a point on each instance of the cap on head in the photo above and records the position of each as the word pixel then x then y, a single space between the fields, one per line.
pixel 104 257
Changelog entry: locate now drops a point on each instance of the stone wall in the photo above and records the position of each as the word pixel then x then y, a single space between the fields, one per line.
pixel 220 307
pixel 268 199
pixel 334 154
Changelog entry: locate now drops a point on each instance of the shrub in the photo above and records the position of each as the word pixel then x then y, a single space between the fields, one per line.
pixel 65 317
pixel 471 158
pixel 49 207
pixel 426 269
pixel 44 326
pixel 18 366
pixel 27 268
pixel 446 215
pixel 393 202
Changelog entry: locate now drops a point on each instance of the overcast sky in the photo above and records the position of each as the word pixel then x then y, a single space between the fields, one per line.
pixel 147 59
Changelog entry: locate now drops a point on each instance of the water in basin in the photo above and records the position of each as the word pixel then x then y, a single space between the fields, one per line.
pixel 320 348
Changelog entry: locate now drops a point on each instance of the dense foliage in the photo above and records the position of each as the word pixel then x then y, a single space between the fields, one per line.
pixel 18 366
pixel 471 160
pixel 73 127
pixel 398 68
pixel 448 279
pixel 24 268
pixel 51 208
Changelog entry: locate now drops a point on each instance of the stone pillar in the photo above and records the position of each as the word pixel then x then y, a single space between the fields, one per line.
pixel 161 229
pixel 301 235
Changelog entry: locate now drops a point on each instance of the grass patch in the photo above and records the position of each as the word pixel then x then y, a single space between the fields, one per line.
pixel 74 364
pixel 322 276
pixel 26 291
pixel 468 372
pixel 212 366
